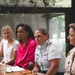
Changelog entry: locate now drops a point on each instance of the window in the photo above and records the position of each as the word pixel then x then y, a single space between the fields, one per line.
pixel 57 29
pixel 56 24
pixel 36 3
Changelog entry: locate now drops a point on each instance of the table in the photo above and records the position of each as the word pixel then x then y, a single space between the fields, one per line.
pixel 18 73
pixel 3 72
pixel 25 72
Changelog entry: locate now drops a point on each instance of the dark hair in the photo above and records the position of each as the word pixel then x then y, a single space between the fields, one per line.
pixel 72 25
pixel 27 28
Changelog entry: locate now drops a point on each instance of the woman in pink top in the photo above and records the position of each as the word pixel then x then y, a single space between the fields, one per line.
pixel 26 49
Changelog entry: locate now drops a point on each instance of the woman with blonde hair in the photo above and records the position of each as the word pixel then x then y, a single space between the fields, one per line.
pixel 9 45
pixel 70 60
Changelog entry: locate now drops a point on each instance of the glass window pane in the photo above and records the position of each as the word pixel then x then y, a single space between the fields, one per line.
pixel 56 24
pixel 61 3
pixel 57 30
pixel 36 3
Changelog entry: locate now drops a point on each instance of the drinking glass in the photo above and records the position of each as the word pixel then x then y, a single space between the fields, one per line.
pixel 2 68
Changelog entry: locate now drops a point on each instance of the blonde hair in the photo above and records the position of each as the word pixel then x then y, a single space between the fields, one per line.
pixel 7 27
pixel 72 25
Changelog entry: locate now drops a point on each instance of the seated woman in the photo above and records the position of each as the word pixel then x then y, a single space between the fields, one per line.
pixel 70 60
pixel 49 58
pixel 26 49
pixel 8 46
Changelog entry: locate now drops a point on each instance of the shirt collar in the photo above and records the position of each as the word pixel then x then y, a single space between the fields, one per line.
pixel 44 46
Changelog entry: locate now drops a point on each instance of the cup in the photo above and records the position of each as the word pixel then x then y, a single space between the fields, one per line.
pixel 2 69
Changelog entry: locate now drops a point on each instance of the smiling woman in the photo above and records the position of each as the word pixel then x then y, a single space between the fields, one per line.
pixel 70 62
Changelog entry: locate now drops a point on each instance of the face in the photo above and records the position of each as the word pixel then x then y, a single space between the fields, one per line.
pixel 71 36
pixel 7 34
pixel 39 37
pixel 22 34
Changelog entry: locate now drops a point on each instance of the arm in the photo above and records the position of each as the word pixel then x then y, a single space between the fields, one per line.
pixel 54 65
pixel 1 47
pixel 11 62
pixel 1 51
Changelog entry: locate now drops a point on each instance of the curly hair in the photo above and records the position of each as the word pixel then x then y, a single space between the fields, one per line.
pixel 27 28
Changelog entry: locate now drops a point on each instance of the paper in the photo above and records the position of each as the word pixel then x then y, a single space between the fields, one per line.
pixel 14 69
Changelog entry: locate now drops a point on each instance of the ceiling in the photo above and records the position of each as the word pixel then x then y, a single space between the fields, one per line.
pixel 36 3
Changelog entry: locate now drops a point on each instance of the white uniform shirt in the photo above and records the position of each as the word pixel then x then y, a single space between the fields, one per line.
pixel 49 51
pixel 8 51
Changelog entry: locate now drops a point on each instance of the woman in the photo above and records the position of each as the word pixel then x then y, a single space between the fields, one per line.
pixel 49 59
pixel 70 60
pixel 27 46
pixel 8 46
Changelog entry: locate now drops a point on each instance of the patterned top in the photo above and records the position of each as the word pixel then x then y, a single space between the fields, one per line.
pixel 70 63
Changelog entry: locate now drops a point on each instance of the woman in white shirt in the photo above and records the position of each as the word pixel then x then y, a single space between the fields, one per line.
pixel 8 46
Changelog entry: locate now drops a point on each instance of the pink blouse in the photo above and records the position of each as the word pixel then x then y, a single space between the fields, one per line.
pixel 25 54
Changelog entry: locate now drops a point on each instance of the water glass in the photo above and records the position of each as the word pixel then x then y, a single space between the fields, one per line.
pixel 2 69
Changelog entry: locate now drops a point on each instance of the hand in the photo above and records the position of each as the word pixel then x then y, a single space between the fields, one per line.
pixel 34 72
pixel 2 61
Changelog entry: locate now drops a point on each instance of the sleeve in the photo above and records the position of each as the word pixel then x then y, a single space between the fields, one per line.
pixel 16 45
pixel 1 42
pixel 54 52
